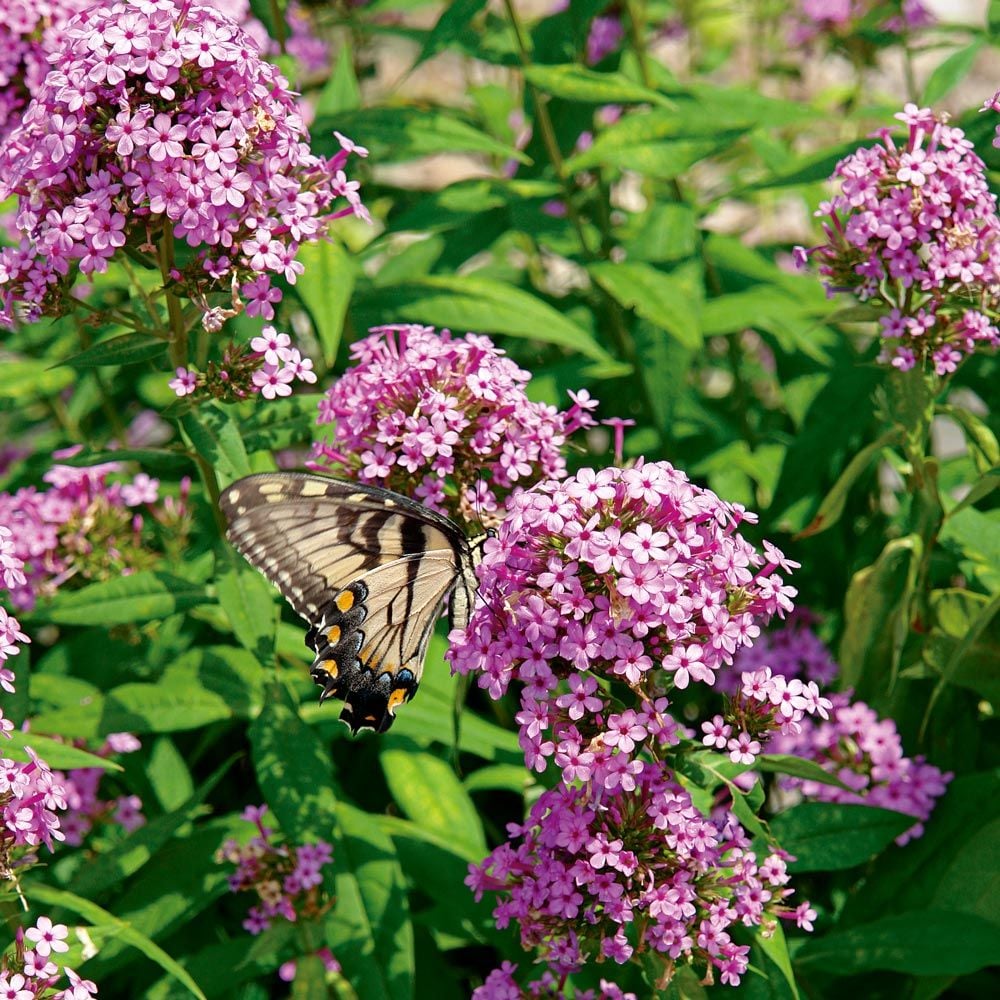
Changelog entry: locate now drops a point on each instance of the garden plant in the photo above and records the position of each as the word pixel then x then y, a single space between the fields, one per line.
pixel 614 384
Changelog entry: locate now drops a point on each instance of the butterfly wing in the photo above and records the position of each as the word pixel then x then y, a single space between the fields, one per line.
pixel 367 568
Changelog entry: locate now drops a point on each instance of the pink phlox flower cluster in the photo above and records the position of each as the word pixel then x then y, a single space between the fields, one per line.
pixel 29 31
pixel 84 527
pixel 605 35
pixel 35 969
pixel 842 18
pixel 792 649
pixel 287 879
pixel 87 808
pixel 30 794
pixel 269 369
pixel 866 753
pixel 632 577
pixel 420 411
pixel 158 122
pixel 766 703
pixel 915 228
pixel 500 984
pixel 597 877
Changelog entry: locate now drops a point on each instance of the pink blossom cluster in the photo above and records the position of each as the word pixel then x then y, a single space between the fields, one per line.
pixel 632 581
pixel 29 31
pixel 269 368
pixel 35 970
pixel 915 231
pixel 841 18
pixel 30 794
pixel 866 754
pixel 87 527
pixel 767 703
pixel 607 875
pixel 605 35
pixel 445 419
pixel 161 122
pixel 793 650
pixel 287 879
pixel 501 985
pixel 87 808
pixel 32 32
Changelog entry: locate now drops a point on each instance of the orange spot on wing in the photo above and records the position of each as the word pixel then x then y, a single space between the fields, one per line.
pixel 331 667
pixel 333 635
pixel 345 601
pixel 396 699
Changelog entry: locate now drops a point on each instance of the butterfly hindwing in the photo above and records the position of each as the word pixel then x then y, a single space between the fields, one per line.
pixel 368 569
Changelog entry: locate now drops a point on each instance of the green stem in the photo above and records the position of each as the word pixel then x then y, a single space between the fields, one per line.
pixel 548 131
pixel 154 313
pixel 278 20
pixel 175 316
pixel 636 19
pixel 102 387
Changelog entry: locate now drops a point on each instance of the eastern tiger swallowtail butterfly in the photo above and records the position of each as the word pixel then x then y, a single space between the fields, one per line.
pixel 367 568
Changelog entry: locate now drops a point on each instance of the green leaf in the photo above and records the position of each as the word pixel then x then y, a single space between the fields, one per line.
pixel 981 489
pixel 474 303
pixel 341 92
pixel 123 931
pixel 427 790
pixel 451 25
pixel 310 979
pixel 128 349
pixel 29 380
pixel 774 945
pixel 953 865
pixel 62 756
pixel 325 288
pixel 369 930
pixel 230 673
pixel 113 865
pixel 293 770
pixel 160 708
pixel 977 628
pixel 665 160
pixel 833 503
pixel 572 82
pixel 656 296
pixel 214 434
pixel 499 777
pixel 798 767
pixel 284 422
pixel 984 446
pixel 922 943
pixel 403 133
pixel 877 617
pixel 148 458
pixel 828 836
pixel 141 597
pixel 248 600
pixel 948 74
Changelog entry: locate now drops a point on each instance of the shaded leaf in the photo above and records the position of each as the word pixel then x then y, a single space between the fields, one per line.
pixel 922 943
pixel 248 600
pixel 62 756
pixel 451 25
pixel 128 349
pixel 655 296
pixel 577 83
pixel 827 836
pixel 141 597
pixel 213 433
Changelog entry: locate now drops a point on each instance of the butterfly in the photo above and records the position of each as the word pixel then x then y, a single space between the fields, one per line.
pixel 367 568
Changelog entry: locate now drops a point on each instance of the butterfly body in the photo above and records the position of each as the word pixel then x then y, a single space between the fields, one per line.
pixel 369 569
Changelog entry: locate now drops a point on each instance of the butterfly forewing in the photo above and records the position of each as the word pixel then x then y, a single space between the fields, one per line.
pixel 367 568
